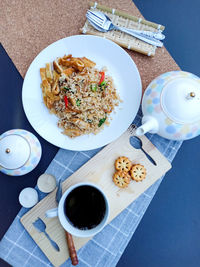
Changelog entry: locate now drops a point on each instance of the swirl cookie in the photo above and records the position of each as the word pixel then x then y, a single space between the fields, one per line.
pixel 121 179
pixel 123 164
pixel 138 172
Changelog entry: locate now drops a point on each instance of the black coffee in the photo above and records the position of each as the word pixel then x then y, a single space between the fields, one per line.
pixel 85 207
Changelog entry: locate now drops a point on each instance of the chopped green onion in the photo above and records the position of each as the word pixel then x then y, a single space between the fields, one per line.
pixel 66 88
pixel 103 83
pixel 78 102
pixel 101 121
pixel 93 87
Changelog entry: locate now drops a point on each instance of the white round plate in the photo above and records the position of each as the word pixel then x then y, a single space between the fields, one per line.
pixel 104 53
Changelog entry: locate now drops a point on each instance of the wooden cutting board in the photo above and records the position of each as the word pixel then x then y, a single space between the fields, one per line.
pixel 98 170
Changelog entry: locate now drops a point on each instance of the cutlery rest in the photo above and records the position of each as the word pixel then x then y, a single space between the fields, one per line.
pixel 123 19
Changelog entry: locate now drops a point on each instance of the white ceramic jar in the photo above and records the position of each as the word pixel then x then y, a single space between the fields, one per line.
pixel 20 152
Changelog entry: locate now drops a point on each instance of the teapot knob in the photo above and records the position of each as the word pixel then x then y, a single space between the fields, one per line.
pixel 191 95
pixel 20 152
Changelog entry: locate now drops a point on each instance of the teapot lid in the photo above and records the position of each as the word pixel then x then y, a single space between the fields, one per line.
pixel 180 100
pixel 14 151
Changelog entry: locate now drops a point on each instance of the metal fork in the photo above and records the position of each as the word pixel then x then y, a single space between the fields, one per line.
pixel 103 17
pixel 103 23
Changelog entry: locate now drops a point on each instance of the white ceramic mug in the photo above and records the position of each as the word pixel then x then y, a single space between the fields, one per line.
pixel 65 221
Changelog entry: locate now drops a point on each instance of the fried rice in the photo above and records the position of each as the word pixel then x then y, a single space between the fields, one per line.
pixel 85 101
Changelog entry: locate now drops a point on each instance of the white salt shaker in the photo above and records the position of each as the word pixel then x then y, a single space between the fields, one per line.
pixel 20 152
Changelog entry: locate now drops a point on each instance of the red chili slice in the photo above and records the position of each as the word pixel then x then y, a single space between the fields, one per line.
pixel 66 101
pixel 102 77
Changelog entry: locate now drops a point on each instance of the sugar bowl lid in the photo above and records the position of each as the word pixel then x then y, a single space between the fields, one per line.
pixel 14 151
pixel 20 152
pixel 180 98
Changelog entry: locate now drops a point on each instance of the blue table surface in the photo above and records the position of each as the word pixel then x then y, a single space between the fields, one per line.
pixel 168 234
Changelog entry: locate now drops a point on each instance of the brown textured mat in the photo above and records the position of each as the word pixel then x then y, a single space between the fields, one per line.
pixel 27 27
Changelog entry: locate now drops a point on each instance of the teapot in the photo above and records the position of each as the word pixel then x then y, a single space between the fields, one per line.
pixel 171 106
pixel 20 152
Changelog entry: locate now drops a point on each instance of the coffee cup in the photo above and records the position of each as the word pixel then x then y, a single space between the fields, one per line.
pixel 83 210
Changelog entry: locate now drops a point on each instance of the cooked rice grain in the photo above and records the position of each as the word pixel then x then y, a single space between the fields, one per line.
pixel 89 104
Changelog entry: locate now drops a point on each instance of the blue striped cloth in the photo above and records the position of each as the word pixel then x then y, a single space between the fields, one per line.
pixel 105 249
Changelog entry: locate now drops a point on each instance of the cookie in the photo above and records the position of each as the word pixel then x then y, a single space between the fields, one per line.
pixel 138 172
pixel 121 179
pixel 123 164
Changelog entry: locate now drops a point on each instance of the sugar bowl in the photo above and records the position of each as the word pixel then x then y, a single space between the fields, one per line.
pixel 20 152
